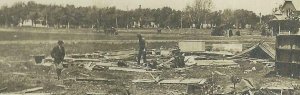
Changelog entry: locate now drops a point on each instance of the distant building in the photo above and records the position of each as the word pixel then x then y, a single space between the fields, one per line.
pixel 286 16
pixel 30 23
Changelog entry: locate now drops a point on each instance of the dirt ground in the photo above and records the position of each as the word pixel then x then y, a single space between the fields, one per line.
pixel 18 70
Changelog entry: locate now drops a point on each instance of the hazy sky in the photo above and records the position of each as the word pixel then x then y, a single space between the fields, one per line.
pixel 263 6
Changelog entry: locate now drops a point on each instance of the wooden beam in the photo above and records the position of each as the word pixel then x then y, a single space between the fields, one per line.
pixel 89 79
pixel 26 94
pixel 31 90
pixel 94 93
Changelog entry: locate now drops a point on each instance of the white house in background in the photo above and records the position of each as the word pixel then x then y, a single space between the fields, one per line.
pixel 284 16
pixel 29 23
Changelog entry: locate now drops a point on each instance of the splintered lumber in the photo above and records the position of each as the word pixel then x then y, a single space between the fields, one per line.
pixel 31 90
pixel 92 79
pixel 216 62
pixel 219 73
pixel 94 93
pixel 26 94
pixel 144 81
pixel 130 69
pixel 86 60
pixel 183 81
pixel 106 64
pixel 18 73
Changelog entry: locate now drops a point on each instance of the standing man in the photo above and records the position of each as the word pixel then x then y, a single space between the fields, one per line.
pixel 142 49
pixel 58 54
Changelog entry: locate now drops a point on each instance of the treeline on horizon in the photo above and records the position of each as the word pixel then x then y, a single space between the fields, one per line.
pixel 199 14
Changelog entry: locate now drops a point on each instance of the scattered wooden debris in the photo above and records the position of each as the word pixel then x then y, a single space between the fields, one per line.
pixel 62 86
pixel 144 81
pixel 130 69
pixel 86 60
pixel 183 81
pixel 26 94
pixel 86 75
pixel 219 73
pixel 89 79
pixel 106 64
pixel 216 63
pixel 18 73
pixel 2 89
pixel 89 65
pixel 94 93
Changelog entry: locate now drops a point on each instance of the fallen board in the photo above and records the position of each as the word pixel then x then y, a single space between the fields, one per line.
pixel 183 81
pixel 92 79
pixel 94 93
pixel 191 46
pixel 143 81
pixel 130 69
pixel 26 94
pixel 106 64
pixel 86 60
pixel 215 62
pixel 30 90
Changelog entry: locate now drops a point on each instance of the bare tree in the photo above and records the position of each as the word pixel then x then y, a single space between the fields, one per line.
pixel 198 11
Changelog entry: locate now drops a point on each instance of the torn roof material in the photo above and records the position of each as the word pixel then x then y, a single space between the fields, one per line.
pixel 261 49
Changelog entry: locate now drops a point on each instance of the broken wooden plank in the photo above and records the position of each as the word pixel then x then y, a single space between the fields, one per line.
pixel 91 79
pixel 95 93
pixel 144 81
pixel 106 64
pixel 86 60
pixel 184 81
pixel 130 69
pixel 89 65
pixel 216 63
pixel 86 75
pixel 30 90
pixel 26 94
pixel 18 73
pixel 219 73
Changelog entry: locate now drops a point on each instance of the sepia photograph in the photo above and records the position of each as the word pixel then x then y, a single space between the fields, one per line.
pixel 149 47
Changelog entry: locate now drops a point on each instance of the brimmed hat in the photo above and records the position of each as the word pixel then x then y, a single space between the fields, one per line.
pixel 60 42
pixel 139 35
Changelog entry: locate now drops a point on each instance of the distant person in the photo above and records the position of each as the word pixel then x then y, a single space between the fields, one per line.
pixel 142 49
pixel 230 33
pixel 263 32
pixel 58 54
pixel 158 30
pixel 238 33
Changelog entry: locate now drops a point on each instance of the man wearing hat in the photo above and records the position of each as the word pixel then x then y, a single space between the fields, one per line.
pixel 58 54
pixel 142 49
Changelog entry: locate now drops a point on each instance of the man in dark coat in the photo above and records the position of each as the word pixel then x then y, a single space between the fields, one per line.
pixel 58 54
pixel 142 49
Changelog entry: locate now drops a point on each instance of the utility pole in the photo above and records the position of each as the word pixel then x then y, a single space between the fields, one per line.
pixel 116 22
pixel 260 18
pixel 127 18
pixel 181 22
pixel 116 19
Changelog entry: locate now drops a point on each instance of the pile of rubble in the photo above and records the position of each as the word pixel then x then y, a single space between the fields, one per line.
pixel 187 56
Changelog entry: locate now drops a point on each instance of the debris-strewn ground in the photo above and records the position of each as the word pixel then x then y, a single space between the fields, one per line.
pixel 18 70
